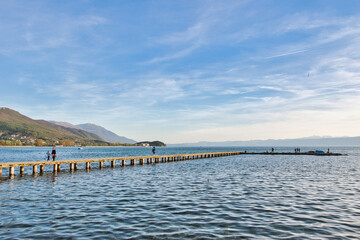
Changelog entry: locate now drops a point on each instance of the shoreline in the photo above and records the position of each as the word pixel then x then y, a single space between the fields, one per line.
pixel 74 146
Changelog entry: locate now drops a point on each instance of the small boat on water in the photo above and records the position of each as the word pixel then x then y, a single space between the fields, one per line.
pixel 80 148
pixel 316 152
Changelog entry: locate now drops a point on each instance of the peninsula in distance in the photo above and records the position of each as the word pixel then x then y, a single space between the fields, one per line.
pixel 19 130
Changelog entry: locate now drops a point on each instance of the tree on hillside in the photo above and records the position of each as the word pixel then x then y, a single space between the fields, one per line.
pixel 67 143
pixel 39 142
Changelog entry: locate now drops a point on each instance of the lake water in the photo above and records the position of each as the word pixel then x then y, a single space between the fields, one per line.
pixel 235 197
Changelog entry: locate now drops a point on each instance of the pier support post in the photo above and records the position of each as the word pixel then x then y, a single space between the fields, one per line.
pixel 0 171
pixel 88 166
pixel 75 166
pixel 71 166
pixel 123 163
pixel 59 167
pixel 11 171
pixel 41 169
pixel 34 170
pixel 22 169
pixel 101 164
pixel 132 162
pixel 55 168
pixel 156 160
pixel 113 163
pixel 141 161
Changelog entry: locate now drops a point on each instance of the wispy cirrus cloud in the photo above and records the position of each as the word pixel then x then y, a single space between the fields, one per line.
pixel 224 70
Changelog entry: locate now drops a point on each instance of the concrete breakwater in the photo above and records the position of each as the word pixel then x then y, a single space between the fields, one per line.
pixel 38 166
pixel 312 153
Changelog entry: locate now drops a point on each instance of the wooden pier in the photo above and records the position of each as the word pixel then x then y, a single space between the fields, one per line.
pixel 123 161
pixel 134 160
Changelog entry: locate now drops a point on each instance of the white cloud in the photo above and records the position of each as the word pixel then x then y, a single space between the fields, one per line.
pixel 175 55
pixel 153 90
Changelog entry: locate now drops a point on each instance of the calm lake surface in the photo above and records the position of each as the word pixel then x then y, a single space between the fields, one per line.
pixel 235 197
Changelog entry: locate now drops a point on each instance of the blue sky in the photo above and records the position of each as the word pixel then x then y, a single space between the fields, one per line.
pixel 185 71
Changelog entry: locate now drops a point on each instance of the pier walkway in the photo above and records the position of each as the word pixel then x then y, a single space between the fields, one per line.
pixel 134 160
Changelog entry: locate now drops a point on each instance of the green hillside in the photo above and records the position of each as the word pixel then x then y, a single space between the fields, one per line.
pixel 15 126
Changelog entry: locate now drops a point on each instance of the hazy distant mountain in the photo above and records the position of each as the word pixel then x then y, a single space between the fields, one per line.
pixel 66 124
pixel 14 123
pixel 309 141
pixel 104 133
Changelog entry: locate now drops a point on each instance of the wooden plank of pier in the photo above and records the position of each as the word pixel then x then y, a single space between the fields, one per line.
pixel 73 164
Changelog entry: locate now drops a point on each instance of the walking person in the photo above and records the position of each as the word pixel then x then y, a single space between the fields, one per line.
pixel 53 153
pixel 48 154
pixel 153 150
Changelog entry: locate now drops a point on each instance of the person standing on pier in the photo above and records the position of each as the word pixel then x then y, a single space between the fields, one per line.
pixel 48 155
pixel 153 150
pixel 53 153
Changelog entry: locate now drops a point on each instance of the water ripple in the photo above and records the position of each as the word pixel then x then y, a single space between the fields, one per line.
pixel 251 197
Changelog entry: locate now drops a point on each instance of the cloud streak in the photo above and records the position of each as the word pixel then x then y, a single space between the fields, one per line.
pixel 224 71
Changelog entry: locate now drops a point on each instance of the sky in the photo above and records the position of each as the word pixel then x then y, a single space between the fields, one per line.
pixel 185 71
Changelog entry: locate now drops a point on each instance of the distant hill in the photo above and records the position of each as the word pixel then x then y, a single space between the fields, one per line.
pixel 16 124
pixel 66 124
pixel 152 144
pixel 99 131
pixel 104 133
pixel 311 141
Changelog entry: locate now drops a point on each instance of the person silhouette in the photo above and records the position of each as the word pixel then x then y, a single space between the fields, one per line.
pixel 53 153
pixel 153 150
pixel 48 155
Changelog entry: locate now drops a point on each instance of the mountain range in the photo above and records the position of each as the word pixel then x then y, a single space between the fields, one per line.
pixel 99 131
pixel 309 141
pixel 15 125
